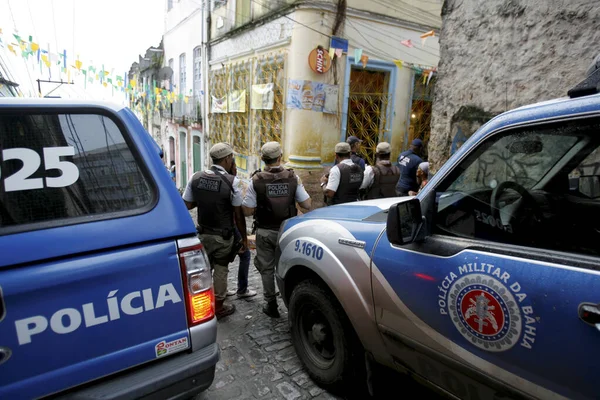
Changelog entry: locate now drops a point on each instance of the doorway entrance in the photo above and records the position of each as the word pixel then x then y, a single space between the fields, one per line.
pixel 368 101
pixel 183 158
pixel 197 153
pixel 420 114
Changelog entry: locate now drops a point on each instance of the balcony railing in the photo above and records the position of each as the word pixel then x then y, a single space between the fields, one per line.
pixel 179 110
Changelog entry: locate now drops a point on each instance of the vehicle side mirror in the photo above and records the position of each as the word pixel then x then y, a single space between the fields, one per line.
pixel 589 186
pixel 404 221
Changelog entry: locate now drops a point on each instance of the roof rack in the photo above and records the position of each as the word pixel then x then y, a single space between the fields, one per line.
pixel 591 84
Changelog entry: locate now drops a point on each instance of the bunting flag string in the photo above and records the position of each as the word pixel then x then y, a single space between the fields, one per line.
pixel 153 95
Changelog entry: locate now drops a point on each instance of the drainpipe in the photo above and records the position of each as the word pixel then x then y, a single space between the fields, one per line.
pixel 205 69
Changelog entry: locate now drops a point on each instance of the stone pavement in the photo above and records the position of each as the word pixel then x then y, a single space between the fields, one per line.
pixel 258 360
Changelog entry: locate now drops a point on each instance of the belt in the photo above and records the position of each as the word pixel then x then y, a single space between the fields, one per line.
pixel 207 230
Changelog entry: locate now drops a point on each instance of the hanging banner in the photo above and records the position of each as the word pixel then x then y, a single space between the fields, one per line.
pixel 237 101
pixel 331 99
pixel 294 94
pixel 218 105
pixel 263 97
pixel 318 91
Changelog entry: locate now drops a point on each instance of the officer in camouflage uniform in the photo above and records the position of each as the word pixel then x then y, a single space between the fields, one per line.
pixel 380 179
pixel 344 179
pixel 218 196
pixel 272 197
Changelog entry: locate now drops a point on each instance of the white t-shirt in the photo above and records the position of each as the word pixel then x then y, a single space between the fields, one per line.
pixel 368 178
pixel 334 175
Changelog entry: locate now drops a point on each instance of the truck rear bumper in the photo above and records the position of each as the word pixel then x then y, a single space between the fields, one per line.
pixel 177 377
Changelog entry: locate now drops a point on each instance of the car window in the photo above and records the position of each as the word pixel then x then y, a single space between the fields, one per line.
pixel 513 157
pixel 58 167
pixel 519 188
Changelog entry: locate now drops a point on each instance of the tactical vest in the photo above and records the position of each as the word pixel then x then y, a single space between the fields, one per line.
pixel 213 198
pixel 356 159
pixel 385 180
pixel 351 177
pixel 275 197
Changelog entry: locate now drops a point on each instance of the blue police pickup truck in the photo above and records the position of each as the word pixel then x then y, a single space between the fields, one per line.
pixel 486 285
pixel 105 290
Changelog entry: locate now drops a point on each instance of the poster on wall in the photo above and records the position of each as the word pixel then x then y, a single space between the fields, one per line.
pixel 237 101
pixel 318 91
pixel 218 105
pixel 331 99
pixel 262 97
pixel 294 94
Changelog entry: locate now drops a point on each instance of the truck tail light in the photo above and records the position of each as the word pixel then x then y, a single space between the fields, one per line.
pixel 197 281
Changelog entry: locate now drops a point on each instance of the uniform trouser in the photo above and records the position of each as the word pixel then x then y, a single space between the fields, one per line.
pixel 218 249
pixel 265 261
pixel 244 266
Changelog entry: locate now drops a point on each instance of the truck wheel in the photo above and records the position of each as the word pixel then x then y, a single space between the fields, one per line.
pixel 323 336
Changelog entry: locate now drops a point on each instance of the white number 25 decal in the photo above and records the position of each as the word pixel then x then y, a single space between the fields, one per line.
pixel 21 180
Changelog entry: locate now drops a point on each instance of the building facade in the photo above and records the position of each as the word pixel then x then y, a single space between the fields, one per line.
pixel 272 76
pixel 8 86
pixel 182 135
pixel 170 89
pixel 497 55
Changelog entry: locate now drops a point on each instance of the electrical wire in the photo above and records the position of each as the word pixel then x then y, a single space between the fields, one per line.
pixel 12 16
pixel 411 14
pixel 54 25
pixel 389 34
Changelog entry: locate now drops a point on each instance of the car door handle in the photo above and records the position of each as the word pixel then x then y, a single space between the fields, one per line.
pixel 5 354
pixel 590 314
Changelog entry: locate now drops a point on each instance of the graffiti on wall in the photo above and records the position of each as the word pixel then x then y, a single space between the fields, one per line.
pixel 466 121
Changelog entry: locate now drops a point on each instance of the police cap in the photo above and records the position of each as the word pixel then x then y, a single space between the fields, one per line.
pixel 342 148
pixel 220 150
pixel 384 148
pixel 270 150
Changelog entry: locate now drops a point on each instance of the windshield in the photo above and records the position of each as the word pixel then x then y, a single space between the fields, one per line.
pixel 524 158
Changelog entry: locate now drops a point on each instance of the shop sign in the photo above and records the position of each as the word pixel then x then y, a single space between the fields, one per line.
pixel 319 60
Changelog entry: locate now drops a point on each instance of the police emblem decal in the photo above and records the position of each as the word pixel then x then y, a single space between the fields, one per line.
pixel 485 312
pixel 488 307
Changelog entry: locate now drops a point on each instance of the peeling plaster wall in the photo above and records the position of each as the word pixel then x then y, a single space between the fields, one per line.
pixel 497 55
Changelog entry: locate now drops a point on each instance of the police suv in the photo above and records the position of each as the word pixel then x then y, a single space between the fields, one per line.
pixel 105 290
pixel 485 285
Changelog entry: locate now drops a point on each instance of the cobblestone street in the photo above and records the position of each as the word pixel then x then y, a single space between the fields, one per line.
pixel 257 357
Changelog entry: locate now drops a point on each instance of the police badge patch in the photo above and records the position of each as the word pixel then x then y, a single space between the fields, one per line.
pixel 211 185
pixel 278 189
pixel 355 177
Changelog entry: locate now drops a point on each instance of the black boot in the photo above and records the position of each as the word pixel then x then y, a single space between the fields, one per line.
pixel 223 310
pixel 271 309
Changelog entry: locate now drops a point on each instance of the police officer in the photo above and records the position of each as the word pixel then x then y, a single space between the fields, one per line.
pixel 380 180
pixel 218 196
pixel 272 197
pixel 344 179
pixel 354 143
pixel 408 162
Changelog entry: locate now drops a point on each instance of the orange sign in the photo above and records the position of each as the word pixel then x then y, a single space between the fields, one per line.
pixel 319 60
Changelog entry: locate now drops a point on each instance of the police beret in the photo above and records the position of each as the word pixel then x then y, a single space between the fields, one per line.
pixel 220 150
pixel 342 148
pixel 271 150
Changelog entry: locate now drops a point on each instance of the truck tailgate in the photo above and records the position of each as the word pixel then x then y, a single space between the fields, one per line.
pixel 74 320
